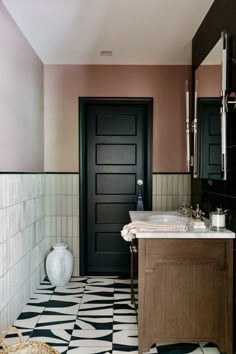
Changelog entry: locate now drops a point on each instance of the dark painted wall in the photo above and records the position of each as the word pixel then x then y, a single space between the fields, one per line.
pixel 221 16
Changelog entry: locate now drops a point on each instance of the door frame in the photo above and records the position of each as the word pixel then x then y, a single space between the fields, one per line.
pixel 202 102
pixel 146 102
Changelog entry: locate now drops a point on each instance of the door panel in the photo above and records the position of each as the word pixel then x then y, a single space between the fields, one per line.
pixel 110 242
pixel 113 213
pixel 115 124
pixel 116 138
pixel 116 183
pixel 116 154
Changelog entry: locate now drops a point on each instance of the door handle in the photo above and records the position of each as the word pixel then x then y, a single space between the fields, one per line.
pixel 139 182
pixel 139 205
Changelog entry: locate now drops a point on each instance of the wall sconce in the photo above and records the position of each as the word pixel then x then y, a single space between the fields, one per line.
pixel 187 96
pixel 224 107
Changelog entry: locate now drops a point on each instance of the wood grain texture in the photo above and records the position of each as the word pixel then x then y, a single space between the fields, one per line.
pixel 185 292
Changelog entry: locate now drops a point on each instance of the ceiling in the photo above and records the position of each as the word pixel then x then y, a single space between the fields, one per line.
pixel 137 31
pixel 215 55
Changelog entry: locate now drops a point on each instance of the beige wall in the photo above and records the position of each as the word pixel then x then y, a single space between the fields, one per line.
pixel 63 84
pixel 21 100
pixel 209 80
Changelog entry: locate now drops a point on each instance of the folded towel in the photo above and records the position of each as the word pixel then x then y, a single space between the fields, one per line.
pixel 129 231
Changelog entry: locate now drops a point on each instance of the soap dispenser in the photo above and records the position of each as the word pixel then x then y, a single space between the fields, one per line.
pixel 217 220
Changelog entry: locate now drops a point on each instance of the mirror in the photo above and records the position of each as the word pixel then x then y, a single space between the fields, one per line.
pixel 209 117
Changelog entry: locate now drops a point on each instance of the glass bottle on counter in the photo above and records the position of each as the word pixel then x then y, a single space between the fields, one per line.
pixel 217 220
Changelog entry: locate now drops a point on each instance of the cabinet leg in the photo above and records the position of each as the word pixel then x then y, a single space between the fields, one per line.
pixel 132 274
pixel 140 345
pixel 225 347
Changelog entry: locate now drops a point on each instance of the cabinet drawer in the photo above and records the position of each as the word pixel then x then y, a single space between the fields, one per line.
pixel 190 250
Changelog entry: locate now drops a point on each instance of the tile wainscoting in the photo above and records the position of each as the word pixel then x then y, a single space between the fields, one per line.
pixel 169 190
pixel 22 241
pixel 38 210
pixel 62 212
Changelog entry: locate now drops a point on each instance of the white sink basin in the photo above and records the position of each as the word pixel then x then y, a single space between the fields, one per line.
pixel 167 219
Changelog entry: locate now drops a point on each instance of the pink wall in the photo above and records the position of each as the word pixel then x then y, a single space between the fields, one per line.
pixel 63 84
pixel 21 100
pixel 209 80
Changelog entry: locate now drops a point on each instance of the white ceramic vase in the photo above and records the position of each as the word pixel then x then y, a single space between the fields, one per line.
pixel 59 265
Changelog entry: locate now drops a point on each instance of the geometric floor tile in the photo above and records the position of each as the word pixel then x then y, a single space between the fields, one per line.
pixel 179 348
pixel 122 286
pixel 209 348
pixel 99 290
pixel 94 323
pixel 97 299
pixel 75 290
pixel 24 322
pixel 63 298
pixel 32 309
pixel 101 281
pixel 91 338
pixel 125 322
pixel 89 350
pixel 125 338
pixel 53 321
pixel 96 309
pixel 45 288
pixel 54 336
pixel 65 308
pixel 124 309
pixel 39 299
pixel 91 315
pixel 121 298
pixel 86 308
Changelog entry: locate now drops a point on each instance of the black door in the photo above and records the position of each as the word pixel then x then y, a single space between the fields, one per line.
pixel 117 147
pixel 210 131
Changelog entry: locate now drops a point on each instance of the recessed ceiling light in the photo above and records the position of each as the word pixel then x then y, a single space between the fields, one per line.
pixel 105 53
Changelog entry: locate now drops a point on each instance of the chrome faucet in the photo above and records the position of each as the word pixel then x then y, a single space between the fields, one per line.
pixel 197 214
pixel 185 209
pixel 188 210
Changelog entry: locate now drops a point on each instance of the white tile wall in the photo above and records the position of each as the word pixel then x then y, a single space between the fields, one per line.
pixel 39 210
pixel 169 190
pixel 62 212
pixel 22 241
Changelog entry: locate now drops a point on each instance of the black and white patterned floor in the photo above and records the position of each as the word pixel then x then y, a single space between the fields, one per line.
pixel 91 315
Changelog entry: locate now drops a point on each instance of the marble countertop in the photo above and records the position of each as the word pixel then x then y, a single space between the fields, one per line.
pixel 190 233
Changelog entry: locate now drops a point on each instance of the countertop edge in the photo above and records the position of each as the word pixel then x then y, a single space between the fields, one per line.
pixel 189 234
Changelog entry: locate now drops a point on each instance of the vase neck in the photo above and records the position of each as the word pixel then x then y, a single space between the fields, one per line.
pixel 60 246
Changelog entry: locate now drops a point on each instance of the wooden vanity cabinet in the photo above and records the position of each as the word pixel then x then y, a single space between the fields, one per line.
pixel 134 270
pixel 185 291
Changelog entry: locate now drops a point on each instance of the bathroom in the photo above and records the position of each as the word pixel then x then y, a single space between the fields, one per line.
pixel 40 181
